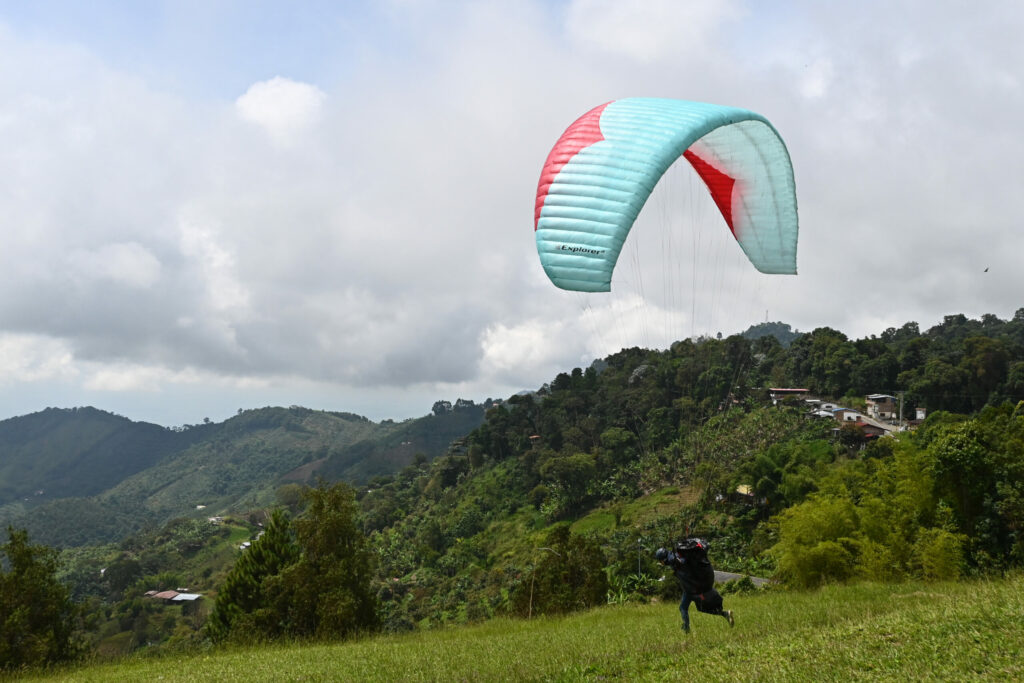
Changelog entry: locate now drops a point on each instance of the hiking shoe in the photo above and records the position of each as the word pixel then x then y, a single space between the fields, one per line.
pixel 728 615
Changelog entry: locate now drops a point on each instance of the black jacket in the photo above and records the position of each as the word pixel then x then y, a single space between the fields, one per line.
pixel 692 567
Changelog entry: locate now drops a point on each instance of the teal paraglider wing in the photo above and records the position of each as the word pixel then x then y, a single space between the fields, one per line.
pixel 604 167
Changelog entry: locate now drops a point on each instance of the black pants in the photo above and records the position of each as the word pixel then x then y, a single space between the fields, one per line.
pixel 684 609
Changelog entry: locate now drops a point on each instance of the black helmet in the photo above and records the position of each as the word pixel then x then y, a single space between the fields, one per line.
pixel 661 555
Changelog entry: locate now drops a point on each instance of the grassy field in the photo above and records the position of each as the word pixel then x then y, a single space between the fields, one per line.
pixel 956 632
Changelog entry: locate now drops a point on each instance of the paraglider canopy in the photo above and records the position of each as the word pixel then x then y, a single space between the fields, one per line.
pixel 601 171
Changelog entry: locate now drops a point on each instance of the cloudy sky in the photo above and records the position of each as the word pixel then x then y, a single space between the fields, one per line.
pixel 208 206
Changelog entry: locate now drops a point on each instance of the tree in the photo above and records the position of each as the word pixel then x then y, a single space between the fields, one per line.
pixel 979 469
pixel 122 573
pixel 37 618
pixel 290 496
pixel 852 436
pixel 242 609
pixel 985 365
pixel 938 385
pixel 824 359
pixel 879 519
pixel 1013 389
pixel 573 474
pixel 327 592
pixel 785 473
pixel 618 445
pixel 568 575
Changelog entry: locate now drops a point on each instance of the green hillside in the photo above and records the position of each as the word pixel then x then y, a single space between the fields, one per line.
pixel 906 632
pixel 637 450
pixel 241 463
pixel 430 435
pixel 140 475
pixel 76 452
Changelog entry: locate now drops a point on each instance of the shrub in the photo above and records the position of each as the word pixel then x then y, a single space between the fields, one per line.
pixel 939 555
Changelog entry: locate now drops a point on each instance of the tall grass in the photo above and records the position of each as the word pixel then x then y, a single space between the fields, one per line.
pixel 950 631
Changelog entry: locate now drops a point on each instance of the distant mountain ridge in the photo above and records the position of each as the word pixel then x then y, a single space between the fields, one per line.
pixel 58 452
pixel 82 475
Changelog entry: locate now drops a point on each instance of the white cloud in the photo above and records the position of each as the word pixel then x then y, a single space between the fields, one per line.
pixel 648 30
pixel 129 264
pixel 816 79
pixel 507 350
pixel 282 107
pixel 34 358
pixel 214 264
pixel 125 377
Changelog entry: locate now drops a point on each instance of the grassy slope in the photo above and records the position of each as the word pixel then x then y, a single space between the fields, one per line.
pixel 667 501
pixel 963 631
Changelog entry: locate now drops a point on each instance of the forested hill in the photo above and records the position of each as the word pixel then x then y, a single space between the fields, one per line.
pixel 57 453
pixel 81 475
pixel 607 463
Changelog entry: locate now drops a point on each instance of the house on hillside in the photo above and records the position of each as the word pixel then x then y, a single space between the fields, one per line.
pixel 841 414
pixel 818 408
pixel 913 423
pixel 777 394
pixel 871 428
pixel 166 596
pixel 170 597
pixel 882 407
pixel 881 414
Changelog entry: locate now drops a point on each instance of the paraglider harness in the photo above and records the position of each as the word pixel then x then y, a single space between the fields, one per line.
pixel 695 574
